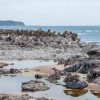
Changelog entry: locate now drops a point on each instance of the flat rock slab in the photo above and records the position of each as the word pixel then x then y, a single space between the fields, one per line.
pixel 33 86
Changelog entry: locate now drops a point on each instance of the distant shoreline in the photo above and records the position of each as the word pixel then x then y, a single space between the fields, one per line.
pixel 11 23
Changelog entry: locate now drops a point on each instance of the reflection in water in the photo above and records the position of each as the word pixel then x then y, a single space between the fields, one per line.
pixel 97 94
pixel 75 92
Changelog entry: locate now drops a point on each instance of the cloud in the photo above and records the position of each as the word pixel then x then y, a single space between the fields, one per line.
pixel 52 12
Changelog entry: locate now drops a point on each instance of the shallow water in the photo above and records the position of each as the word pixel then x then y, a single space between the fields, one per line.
pixel 9 84
pixel 22 64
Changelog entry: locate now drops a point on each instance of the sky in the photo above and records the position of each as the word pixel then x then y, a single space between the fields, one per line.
pixel 51 12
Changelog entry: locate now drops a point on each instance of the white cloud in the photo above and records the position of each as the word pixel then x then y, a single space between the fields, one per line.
pixel 52 12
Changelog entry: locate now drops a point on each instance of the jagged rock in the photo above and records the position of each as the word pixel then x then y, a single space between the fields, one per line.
pixel 34 86
pixel 87 66
pixel 93 74
pixel 83 67
pixel 97 80
pixel 9 71
pixel 56 76
pixel 72 68
pixel 9 97
pixel 94 53
pixel 74 82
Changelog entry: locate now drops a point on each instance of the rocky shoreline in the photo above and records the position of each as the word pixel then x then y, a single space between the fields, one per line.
pixel 74 58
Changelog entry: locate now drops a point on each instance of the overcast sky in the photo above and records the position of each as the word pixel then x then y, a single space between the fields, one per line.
pixel 51 12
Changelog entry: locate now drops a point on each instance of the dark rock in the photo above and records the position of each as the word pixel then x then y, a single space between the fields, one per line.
pixel 74 82
pixel 33 86
pixel 72 68
pixel 10 97
pixel 97 80
pixel 38 76
pixel 9 71
pixel 56 76
pixel 93 74
pixel 13 71
pixel 87 66
pixel 53 77
pixel 83 66
pixel 94 53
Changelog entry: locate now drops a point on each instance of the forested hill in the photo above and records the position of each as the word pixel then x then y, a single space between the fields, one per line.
pixel 11 23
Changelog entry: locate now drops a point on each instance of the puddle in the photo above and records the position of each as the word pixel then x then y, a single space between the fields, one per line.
pixel 28 63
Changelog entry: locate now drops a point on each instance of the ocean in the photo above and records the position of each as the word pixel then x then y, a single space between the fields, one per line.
pixel 86 33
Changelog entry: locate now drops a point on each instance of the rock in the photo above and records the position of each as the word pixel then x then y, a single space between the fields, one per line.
pixel 72 68
pixel 88 65
pixel 9 71
pixel 14 71
pixel 33 86
pixel 74 82
pixel 38 76
pixel 56 76
pixel 93 74
pixel 10 97
pixel 3 64
pixel 43 98
pixel 53 77
pixel 94 53
pixel 97 80
pixel 83 66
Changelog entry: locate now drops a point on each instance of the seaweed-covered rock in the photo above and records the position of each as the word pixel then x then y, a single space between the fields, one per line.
pixel 33 86
pixel 74 82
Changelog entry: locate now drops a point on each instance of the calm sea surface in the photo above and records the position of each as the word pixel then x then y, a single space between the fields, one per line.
pixel 86 33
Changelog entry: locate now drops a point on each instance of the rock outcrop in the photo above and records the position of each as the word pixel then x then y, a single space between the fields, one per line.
pixel 83 66
pixel 74 82
pixel 93 74
pixel 33 86
pixel 9 71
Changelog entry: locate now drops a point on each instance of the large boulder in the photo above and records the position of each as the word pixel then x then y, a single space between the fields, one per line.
pixel 88 65
pixel 72 68
pixel 83 67
pixel 33 86
pixel 74 82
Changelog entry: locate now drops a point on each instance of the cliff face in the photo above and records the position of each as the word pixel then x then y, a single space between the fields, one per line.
pixel 11 23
